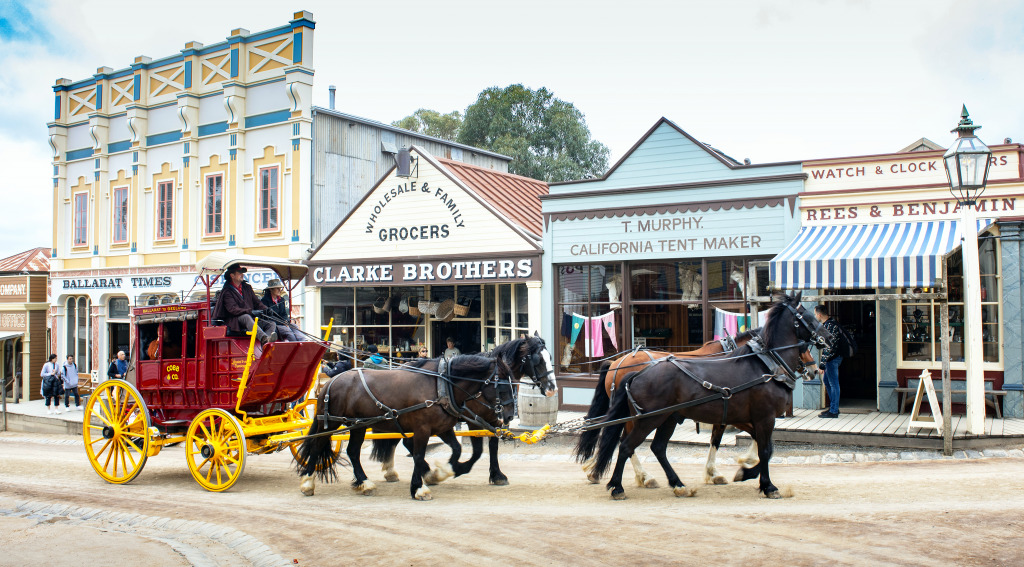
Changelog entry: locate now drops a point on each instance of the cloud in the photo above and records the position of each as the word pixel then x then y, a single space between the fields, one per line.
pixel 18 23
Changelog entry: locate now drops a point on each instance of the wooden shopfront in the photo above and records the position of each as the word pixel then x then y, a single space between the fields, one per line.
pixel 451 250
pixel 904 198
pixel 23 337
pixel 657 252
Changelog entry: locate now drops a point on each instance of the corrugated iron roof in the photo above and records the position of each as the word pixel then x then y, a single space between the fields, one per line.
pixel 34 260
pixel 517 197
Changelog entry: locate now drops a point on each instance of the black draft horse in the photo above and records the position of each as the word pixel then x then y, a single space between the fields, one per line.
pixel 516 358
pixel 527 357
pixel 748 392
pixel 414 398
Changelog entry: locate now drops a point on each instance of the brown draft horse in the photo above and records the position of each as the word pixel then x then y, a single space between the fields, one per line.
pixel 614 371
pixel 747 387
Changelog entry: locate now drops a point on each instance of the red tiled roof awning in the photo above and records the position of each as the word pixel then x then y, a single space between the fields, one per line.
pixel 516 197
pixel 34 260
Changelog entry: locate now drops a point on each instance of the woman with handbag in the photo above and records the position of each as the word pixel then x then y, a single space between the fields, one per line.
pixel 51 387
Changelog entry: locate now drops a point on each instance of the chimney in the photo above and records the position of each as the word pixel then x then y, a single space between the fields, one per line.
pixel 332 89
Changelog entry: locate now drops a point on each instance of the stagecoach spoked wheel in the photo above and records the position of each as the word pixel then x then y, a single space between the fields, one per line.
pixel 215 449
pixel 116 431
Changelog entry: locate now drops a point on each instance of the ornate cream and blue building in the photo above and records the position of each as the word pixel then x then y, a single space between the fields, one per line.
pixel 159 163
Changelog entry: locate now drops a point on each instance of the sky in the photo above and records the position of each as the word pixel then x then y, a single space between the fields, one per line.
pixel 765 80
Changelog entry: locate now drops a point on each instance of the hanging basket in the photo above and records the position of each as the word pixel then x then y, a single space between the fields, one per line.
pixel 462 306
pixel 446 310
pixel 382 305
pixel 429 307
pixel 403 305
pixel 414 309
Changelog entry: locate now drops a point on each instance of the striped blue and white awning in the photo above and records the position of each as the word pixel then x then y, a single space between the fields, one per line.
pixel 865 256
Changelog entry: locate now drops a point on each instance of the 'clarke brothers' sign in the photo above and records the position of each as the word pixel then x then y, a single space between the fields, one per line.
pixel 485 270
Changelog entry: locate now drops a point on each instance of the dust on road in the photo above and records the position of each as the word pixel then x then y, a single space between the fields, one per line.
pixel 964 512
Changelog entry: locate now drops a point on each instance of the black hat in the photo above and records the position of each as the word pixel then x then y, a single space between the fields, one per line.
pixel 236 268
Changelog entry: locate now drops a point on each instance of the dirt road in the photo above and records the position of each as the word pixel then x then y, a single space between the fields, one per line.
pixel 964 512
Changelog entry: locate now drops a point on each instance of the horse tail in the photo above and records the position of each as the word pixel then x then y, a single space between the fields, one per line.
pixel 383 448
pixel 610 435
pixel 316 454
pixel 598 407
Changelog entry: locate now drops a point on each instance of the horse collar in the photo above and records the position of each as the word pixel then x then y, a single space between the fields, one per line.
pixel 777 368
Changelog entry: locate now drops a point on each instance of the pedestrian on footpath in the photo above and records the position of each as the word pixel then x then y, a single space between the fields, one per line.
pixel 830 361
pixel 118 368
pixel 70 376
pixel 51 384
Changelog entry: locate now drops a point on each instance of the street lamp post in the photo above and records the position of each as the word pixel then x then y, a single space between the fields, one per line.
pixel 967 163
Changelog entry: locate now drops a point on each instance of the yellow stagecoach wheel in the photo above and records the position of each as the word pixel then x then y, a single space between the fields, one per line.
pixel 215 449
pixel 116 431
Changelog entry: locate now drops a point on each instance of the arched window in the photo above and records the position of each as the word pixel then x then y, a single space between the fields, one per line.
pixel 79 331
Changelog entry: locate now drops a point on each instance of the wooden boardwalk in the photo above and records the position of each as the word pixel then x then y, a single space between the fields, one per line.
pixel 868 429
pixel 880 429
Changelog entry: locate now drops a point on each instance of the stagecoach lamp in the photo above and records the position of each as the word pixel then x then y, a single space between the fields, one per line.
pixel 967 162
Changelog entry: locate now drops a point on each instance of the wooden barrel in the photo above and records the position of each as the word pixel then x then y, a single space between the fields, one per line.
pixel 535 409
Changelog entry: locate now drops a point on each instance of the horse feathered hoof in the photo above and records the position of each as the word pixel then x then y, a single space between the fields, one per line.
pixel 308 486
pixel 618 494
pixel 423 493
pixel 499 480
pixel 593 478
pixel 391 476
pixel 743 474
pixel 650 482
pixel 684 492
pixel 773 494
pixel 367 488
pixel 717 479
pixel 441 472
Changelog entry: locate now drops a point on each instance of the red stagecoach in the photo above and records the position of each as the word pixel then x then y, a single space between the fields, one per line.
pixel 192 381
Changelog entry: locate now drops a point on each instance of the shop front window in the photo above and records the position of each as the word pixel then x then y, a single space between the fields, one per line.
pixel 920 322
pixel 588 315
pixel 667 305
pixel 378 316
pixel 506 313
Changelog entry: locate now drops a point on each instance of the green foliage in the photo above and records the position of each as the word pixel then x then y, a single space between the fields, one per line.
pixel 546 138
pixel 432 123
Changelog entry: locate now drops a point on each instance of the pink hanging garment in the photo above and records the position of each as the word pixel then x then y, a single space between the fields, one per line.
pixel 608 322
pixel 596 335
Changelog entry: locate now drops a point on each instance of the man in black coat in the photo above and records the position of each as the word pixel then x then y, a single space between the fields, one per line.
pixel 237 306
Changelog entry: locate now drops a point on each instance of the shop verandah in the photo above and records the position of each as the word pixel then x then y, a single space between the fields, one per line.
pixel 898 267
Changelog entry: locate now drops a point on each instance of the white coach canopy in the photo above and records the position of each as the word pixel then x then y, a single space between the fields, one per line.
pixel 216 263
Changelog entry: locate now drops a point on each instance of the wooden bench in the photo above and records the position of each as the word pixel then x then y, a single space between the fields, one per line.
pixel 905 396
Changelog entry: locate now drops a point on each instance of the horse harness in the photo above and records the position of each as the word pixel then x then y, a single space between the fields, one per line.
pixel 445 399
pixel 778 370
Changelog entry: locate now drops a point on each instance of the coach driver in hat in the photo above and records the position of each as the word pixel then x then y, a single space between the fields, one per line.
pixel 237 306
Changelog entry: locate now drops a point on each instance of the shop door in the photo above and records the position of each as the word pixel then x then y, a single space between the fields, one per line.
pixel 858 378
pixel 465 333
pixel 118 339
